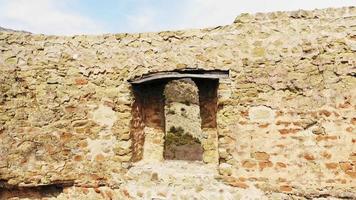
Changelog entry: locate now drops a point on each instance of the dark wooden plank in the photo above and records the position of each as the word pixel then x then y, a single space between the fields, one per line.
pixel 165 75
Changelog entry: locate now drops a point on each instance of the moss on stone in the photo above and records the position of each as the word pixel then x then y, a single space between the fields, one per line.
pixel 176 136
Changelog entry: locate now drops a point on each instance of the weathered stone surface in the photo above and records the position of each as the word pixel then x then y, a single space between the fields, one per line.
pixel 154 144
pixel 285 118
pixel 261 114
pixel 182 91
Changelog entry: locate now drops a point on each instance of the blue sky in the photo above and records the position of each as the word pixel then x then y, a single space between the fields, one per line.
pixel 68 17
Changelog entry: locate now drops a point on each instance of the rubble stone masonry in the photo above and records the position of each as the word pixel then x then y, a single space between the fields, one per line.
pixel 285 117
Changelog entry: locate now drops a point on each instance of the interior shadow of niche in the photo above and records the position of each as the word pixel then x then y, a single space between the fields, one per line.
pixel 208 101
pixel 147 111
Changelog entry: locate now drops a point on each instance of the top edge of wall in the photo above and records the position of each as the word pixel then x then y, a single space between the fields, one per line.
pixel 348 11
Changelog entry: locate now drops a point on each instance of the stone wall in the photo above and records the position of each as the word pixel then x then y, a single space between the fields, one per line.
pixel 286 117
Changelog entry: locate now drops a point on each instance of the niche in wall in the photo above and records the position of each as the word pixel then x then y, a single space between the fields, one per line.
pixel 174 116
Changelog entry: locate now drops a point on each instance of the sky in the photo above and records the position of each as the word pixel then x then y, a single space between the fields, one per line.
pixel 69 17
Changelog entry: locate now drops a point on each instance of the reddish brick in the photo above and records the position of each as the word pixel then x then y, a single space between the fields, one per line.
pixel 285 188
pixel 261 156
pixel 66 152
pixel 331 165
pixel 248 164
pixel 351 173
pixel 281 165
pixel 83 144
pixel 244 113
pixel 99 158
pixel 65 136
pixel 70 109
pixel 235 182
pixel 283 123
pixel 239 184
pixel 97 190
pixel 265 164
pixel 325 112
pixel 331 137
pixel 326 138
pixel 353 121
pixel 345 166
pixel 349 129
pixel 81 81
pixel 319 138
pixel 243 122
pixel 326 155
pixel 263 125
pixel 243 179
pixel 288 131
pixel 78 158
pixel 314 114
pixel 308 156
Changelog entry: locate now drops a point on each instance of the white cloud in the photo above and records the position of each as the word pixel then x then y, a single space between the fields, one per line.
pixel 45 16
pixel 142 21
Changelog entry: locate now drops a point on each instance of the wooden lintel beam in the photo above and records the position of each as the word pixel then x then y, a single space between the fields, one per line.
pixel 157 76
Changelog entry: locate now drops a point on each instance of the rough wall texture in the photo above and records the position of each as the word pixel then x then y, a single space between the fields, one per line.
pixel 286 117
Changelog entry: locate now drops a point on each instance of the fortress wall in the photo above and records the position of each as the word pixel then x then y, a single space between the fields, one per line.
pixel 286 116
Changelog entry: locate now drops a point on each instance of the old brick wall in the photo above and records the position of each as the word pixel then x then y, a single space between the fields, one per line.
pixel 286 116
